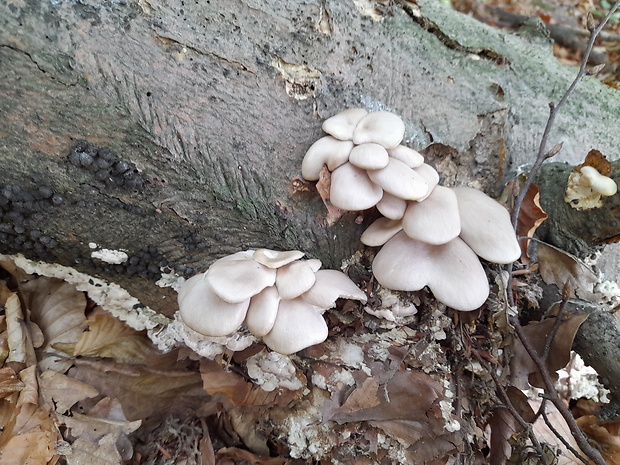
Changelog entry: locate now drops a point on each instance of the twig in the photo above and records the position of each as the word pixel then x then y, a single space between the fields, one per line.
pixel 557 434
pixel 554 110
pixel 553 396
pixel 556 323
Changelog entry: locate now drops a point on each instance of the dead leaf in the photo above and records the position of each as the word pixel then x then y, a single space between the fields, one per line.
pixel 17 335
pixel 522 367
pixel 530 218
pixel 559 267
pixel 58 309
pixel 604 435
pixel 596 160
pixel 323 187
pixel 232 455
pixel 63 392
pixel 362 398
pixel 108 337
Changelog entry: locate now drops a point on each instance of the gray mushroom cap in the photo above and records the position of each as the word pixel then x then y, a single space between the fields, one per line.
pixel 407 155
pixel 400 180
pixel 330 286
pixel 261 314
pixel 435 220
pixel 235 280
pixel 298 325
pixel 275 258
pixel 342 125
pixel 391 207
pixel 452 271
pixel 369 156
pixel 351 189
pixel 381 127
pixel 380 231
pixel 294 279
pixel 486 226
pixel 325 151
pixel 203 311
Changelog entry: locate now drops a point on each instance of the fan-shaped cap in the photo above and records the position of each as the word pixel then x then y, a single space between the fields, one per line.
pixel 369 156
pixel 275 258
pixel 204 312
pixel 430 175
pixel 381 231
pixel 486 226
pixel 236 280
pixel 330 286
pixel 261 314
pixel 435 220
pixel 400 180
pixel 342 125
pixel 391 207
pixel 452 271
pixel 325 151
pixel 294 279
pixel 351 189
pixel 408 156
pixel 298 325
pixel 381 127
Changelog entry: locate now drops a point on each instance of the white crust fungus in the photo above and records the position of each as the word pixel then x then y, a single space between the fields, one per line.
pixel 273 294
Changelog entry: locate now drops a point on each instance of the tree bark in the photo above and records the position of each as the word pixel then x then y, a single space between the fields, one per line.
pixel 213 104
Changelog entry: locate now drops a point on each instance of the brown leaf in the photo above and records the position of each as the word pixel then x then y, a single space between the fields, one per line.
pixel 596 160
pixel 605 435
pixel 530 218
pixel 232 455
pixel 323 187
pixel 364 397
pixel 62 391
pixel 58 309
pixel 523 368
pixel 559 267
pixel 108 337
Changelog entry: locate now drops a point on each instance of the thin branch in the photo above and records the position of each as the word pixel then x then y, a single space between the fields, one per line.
pixel 556 323
pixel 553 396
pixel 574 451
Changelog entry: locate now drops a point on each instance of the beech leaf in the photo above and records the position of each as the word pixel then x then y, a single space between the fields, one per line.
pixel 559 267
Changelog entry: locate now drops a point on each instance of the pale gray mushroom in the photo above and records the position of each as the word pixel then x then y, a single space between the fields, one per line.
pixel 486 226
pixel 600 184
pixel 434 220
pixel 298 325
pixel 330 286
pixel 239 277
pixel 400 180
pixel 381 127
pixel 430 175
pixel 206 313
pixel 380 231
pixel 351 189
pixel 325 151
pixel 408 156
pixel 452 271
pixel 391 207
pixel 297 277
pixel 261 314
pixel 369 156
pixel 275 258
pixel 342 125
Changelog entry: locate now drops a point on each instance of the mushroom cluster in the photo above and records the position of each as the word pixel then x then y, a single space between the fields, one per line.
pixel 431 235
pixel 586 186
pixel 274 294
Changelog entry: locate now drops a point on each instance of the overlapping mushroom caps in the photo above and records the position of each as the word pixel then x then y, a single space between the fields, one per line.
pixel 431 235
pixel 274 294
pixel 367 163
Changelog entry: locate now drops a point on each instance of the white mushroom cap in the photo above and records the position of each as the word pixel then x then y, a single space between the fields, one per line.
pixel 342 125
pixel 486 226
pixel 381 231
pixel 298 325
pixel 391 207
pixel 430 175
pixel 380 127
pixel 325 151
pixel 452 271
pixel 435 220
pixel 400 180
pixel 408 156
pixel 294 279
pixel 351 189
pixel 369 156
pixel 237 280
pixel 600 184
pixel 204 312
pixel 262 311
pixel 275 258
pixel 330 286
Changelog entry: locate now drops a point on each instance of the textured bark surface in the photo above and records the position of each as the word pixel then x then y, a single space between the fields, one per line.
pixel 216 102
